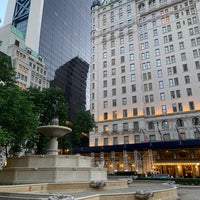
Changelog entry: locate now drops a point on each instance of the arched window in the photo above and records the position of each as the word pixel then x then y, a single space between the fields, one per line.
pixel 165 124
pixel 179 123
pixel 151 126
pixel 195 121
pixel 141 6
pixel 152 2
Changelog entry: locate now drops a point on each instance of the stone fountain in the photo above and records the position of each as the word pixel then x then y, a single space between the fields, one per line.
pixel 51 168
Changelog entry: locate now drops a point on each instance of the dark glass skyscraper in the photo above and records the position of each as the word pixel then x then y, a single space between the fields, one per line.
pixel 65 32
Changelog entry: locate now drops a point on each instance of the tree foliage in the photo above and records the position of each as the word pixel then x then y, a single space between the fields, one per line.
pixel 43 101
pixel 81 127
pixel 22 111
pixel 7 72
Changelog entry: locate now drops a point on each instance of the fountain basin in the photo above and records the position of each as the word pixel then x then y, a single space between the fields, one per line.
pixel 50 169
pixel 54 130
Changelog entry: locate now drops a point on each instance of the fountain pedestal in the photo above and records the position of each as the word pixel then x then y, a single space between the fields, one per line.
pixel 53 132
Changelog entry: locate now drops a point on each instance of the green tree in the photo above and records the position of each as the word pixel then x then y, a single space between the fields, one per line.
pixel 81 127
pixel 7 72
pixel 43 101
pixel 18 122
pixel 17 118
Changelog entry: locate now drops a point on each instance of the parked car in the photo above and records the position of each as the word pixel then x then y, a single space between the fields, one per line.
pixel 158 176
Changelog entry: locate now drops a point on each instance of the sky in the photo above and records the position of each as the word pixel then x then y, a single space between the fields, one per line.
pixel 3 4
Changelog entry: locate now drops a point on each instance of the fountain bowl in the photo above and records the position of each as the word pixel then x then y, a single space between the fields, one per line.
pixel 54 130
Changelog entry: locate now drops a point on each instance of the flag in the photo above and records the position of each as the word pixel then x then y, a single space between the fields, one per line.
pixel 161 136
pixel 198 132
pixel 179 134
pixel 145 136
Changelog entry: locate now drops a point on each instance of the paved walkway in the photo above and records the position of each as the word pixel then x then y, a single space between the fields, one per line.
pixel 189 192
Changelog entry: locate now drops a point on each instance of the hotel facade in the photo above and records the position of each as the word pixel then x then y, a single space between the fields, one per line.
pixel 145 86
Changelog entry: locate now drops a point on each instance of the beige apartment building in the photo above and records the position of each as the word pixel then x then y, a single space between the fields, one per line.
pixel 145 86
pixel 30 67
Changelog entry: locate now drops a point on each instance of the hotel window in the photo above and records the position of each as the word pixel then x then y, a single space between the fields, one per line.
pixel 161 84
pixel 132 67
pixel 198 76
pixel 156 42
pixel 164 109
pixel 105 128
pixel 135 111
pixel 155 32
pixel 122 50
pixel 174 107
pixel 129 15
pixel 123 69
pixel 154 24
pixel 105 73
pixel 121 40
pixel 185 67
pixel 96 142
pixel 158 62
pixel 197 64
pixel 133 88
pixel 136 125
pixel 132 77
pixel 129 7
pixel 162 96
pixel 189 91
pixel 123 79
pixel 125 114
pixel 105 83
pixel 115 141
pixel 124 90
pixel 126 139
pixel 105 141
pixel 114 102
pixel 105 93
pixel 130 38
pixel 191 105
pixel 114 114
pixel 114 127
pixel 195 53
pixel 105 104
pixel 113 62
pixel 105 55
pixel 137 138
pixel 183 56
pixel 157 52
pixel 131 47
pixel 187 79
pixel 122 59
pixel 181 45
pixel 113 71
pixel 112 43
pixel 113 91
pixel 131 57
pixel 134 99
pixel 159 73
pixel 113 81
pixel 193 42
pixel 124 101
pixel 104 64
pixel 130 22
pixel 113 52
pixel 105 116
pixel 178 25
